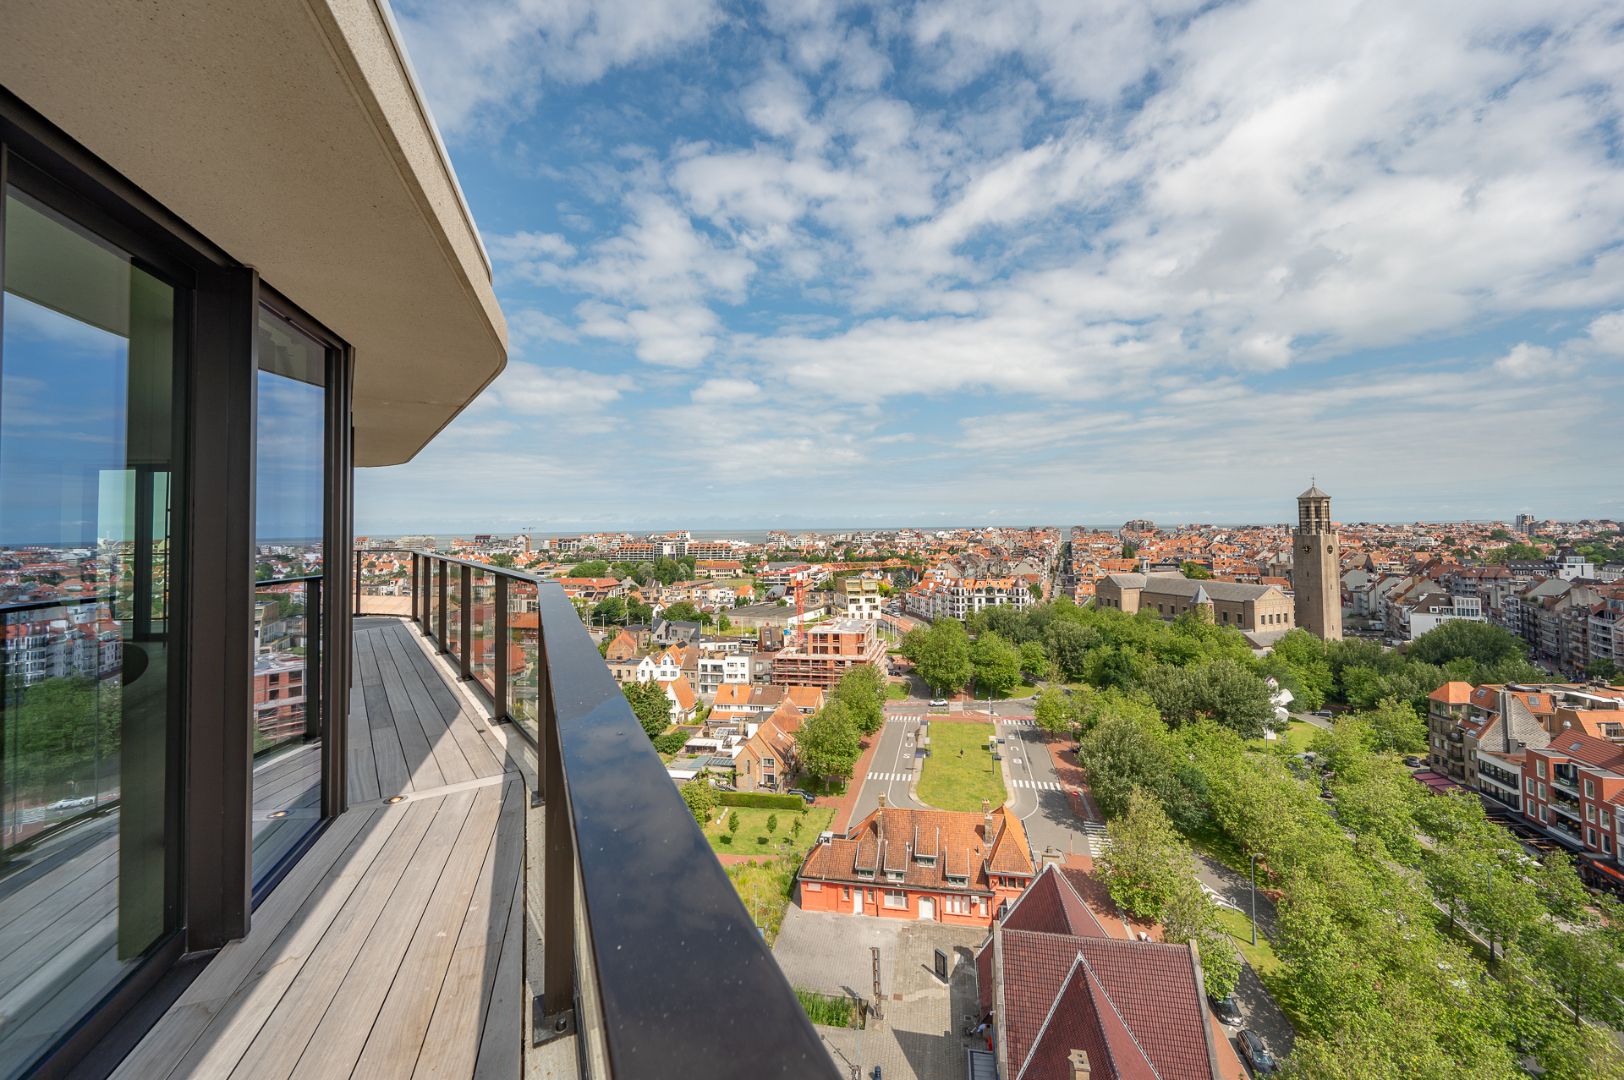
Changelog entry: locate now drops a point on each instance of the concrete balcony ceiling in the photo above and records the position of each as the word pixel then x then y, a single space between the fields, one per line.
pixel 292 136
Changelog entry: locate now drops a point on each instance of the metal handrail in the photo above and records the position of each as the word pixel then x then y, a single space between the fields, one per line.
pixel 678 980
pixel 40 605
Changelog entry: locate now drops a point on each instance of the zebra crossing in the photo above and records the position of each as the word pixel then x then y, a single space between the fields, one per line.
pixel 1039 785
pixel 890 776
pixel 1098 841
pixel 1023 721
pixel 905 717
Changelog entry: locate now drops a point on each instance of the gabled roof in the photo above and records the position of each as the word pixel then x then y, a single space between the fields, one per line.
pixel 1590 750
pixel 1051 904
pixel 1085 1018
pixel 1152 988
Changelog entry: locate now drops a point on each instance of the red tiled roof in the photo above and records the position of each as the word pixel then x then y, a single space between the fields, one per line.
pixel 1152 986
pixel 1452 693
pixel 1589 749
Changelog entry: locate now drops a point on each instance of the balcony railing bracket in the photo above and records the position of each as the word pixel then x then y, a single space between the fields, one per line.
pixel 549 1027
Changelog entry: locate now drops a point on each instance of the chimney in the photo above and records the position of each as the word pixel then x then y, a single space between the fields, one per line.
pixel 986 820
pixel 1079 1065
pixel 1052 856
pixel 882 800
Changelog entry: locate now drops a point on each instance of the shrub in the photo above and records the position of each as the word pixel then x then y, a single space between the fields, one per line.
pixel 763 800
pixel 671 742
pixel 827 1009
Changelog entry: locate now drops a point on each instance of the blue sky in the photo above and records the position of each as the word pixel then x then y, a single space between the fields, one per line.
pixel 968 261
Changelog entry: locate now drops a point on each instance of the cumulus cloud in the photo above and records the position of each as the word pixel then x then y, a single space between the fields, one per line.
pixel 1109 221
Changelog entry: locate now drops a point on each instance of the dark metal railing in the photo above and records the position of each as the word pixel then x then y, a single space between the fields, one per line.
pixel 649 956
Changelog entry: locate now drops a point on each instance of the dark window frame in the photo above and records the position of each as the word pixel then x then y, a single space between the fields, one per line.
pixel 218 301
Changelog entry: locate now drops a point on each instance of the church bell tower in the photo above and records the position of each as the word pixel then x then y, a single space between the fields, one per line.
pixel 1316 578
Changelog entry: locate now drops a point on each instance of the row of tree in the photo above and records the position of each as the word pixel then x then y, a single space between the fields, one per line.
pixel 1375 881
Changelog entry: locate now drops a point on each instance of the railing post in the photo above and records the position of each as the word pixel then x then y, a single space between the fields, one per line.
pixel 465 589
pixel 357 608
pixel 417 593
pixel 313 662
pixel 439 618
pixel 499 648
pixel 554 1012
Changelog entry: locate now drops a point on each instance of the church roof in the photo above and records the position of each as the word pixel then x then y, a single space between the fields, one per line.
pixel 1314 493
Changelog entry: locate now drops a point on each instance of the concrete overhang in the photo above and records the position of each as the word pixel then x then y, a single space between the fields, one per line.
pixel 292 135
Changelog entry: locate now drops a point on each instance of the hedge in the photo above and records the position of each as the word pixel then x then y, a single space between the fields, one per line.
pixel 763 800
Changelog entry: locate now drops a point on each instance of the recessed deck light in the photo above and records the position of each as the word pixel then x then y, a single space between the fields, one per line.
pixel 278 814
pixel 395 799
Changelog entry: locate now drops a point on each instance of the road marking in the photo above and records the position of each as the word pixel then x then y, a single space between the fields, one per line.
pixel 890 776
pixel 1040 785
pixel 1016 723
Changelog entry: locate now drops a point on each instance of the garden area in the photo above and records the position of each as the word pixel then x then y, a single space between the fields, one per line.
pixel 960 772
pixel 746 830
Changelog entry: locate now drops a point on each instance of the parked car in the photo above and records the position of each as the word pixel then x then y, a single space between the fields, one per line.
pixel 1414 762
pixel 807 795
pixel 1257 1056
pixel 1225 1009
pixel 1324 714
pixel 938 703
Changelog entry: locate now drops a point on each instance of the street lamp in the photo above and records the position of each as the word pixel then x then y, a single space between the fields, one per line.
pixel 1254 898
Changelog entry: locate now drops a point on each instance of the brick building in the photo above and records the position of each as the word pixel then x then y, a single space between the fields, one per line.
pixel 831 649
pixel 934 865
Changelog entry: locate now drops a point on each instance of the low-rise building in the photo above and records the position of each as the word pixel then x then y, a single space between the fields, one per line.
pixel 860 598
pixel 931 865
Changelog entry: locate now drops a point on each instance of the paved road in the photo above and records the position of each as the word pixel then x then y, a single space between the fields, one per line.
pixel 1040 800
pixel 892 768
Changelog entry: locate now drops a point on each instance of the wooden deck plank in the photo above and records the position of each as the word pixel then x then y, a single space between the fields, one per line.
pixel 399 1032
pixel 363 766
pixel 163 1048
pixel 451 1043
pixel 414 742
pixel 276 1047
pixel 462 725
pixel 393 948
pixel 393 775
pixel 410 701
pixel 338 1039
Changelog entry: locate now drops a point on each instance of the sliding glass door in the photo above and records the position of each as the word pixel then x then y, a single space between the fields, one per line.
pixel 90 369
pixel 290 563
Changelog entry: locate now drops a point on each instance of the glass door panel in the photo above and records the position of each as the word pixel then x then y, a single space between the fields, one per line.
pixel 89 698
pixel 290 556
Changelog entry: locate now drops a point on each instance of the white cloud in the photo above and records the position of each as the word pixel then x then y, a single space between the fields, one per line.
pixel 726 392
pixel 1607 333
pixel 526 389
pixel 1525 361
pixel 487 59
pixel 526 246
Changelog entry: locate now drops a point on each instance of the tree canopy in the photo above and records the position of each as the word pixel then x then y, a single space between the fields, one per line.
pixel 651 704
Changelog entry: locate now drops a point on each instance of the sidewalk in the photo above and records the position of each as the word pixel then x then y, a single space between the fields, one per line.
pixel 846 803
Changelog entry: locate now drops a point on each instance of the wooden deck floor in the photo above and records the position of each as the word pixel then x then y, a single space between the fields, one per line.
pixel 393 947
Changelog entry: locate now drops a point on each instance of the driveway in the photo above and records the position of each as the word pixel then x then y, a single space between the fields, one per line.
pixel 917 1035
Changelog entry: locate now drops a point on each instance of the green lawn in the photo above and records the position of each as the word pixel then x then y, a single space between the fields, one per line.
pixel 952 780
pixel 1260 956
pixel 1295 739
pixel 754 839
pixel 896 691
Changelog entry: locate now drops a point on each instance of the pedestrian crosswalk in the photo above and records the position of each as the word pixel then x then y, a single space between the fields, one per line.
pixel 1020 721
pixel 905 718
pixel 890 776
pixel 1098 841
pixel 1040 785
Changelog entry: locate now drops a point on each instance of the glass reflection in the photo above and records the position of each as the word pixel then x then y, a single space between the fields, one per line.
pixel 87 446
pixel 289 529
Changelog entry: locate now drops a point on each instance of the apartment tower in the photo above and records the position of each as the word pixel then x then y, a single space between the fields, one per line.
pixel 1314 575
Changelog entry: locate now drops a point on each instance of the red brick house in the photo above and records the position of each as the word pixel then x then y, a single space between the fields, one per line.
pixel 938 865
pixel 1570 786
pixel 1066 1000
